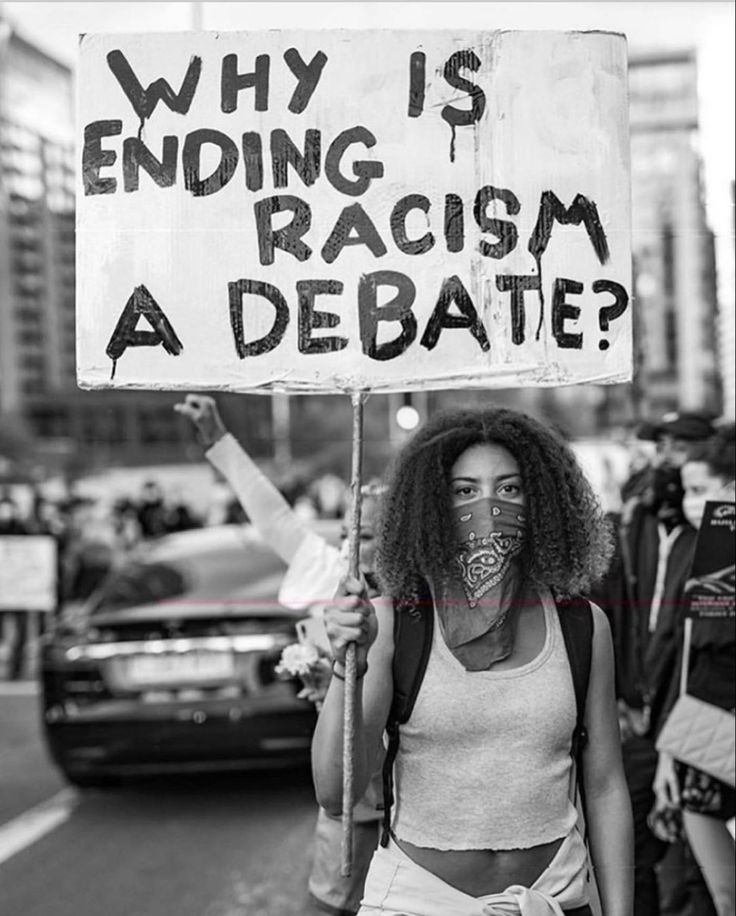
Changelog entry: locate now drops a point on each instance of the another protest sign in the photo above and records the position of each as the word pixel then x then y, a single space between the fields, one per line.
pixel 340 211
pixel 711 586
pixel 27 573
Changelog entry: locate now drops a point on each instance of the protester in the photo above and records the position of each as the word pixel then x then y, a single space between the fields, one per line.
pixel 12 523
pixel 177 514
pixel 641 595
pixel 151 510
pixel 707 804
pixel 490 511
pixel 91 549
pixel 314 571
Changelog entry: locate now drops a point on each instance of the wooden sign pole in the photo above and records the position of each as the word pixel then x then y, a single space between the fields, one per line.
pixel 350 655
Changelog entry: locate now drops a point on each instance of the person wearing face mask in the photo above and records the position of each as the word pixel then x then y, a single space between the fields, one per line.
pixel 314 571
pixel 707 804
pixel 487 522
pixel 642 597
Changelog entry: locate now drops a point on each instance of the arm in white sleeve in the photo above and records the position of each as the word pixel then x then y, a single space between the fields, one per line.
pixel 267 509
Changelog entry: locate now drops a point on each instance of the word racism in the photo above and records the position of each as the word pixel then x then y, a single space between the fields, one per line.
pixel 453 307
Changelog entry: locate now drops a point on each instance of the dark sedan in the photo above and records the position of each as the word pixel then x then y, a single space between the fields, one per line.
pixel 170 665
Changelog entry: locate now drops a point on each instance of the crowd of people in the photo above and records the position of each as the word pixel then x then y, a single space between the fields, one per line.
pixel 94 534
pixel 487 530
pixel 90 536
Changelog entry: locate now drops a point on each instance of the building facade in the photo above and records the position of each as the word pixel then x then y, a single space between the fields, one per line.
pixel 675 279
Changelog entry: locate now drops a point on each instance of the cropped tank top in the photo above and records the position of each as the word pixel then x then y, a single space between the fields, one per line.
pixel 484 760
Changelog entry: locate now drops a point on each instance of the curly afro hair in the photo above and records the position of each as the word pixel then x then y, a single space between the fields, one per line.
pixel 568 544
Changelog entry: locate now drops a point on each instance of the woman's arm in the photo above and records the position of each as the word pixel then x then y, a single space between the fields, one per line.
pixel 267 509
pixel 607 803
pixel 370 625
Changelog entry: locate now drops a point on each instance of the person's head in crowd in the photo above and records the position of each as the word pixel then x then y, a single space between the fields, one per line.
pixel 9 511
pixel 519 475
pixel 151 493
pixel 370 507
pixel 675 436
pixel 709 473
pixel 8 508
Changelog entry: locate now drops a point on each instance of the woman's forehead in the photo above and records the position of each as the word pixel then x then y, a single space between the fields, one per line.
pixel 485 459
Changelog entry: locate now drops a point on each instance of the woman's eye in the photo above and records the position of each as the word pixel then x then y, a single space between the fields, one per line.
pixel 510 489
pixel 464 491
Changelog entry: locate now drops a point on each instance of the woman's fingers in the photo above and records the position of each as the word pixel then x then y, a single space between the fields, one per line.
pixel 350 628
pixel 349 620
pixel 351 586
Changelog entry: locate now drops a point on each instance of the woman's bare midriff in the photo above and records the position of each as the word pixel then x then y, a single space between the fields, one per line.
pixel 479 872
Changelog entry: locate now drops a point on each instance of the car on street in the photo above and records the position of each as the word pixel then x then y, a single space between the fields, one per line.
pixel 169 666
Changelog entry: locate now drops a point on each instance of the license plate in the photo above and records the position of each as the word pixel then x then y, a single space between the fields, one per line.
pixel 187 668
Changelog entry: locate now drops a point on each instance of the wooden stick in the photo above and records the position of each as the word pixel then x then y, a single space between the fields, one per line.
pixel 350 655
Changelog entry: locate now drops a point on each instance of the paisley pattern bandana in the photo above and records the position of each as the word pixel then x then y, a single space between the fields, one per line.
pixel 490 533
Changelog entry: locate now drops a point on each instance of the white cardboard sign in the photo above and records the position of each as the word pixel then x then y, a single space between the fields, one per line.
pixel 27 573
pixel 333 211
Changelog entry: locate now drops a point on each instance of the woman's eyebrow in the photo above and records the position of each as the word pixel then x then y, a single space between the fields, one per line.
pixel 475 479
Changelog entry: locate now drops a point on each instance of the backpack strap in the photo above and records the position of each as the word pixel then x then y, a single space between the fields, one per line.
pixel 576 623
pixel 413 629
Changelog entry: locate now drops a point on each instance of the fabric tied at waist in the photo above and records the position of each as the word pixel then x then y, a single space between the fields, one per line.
pixel 521 901
pixel 397 886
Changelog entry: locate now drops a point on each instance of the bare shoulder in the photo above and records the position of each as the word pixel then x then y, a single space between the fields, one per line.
pixel 601 626
pixel 602 665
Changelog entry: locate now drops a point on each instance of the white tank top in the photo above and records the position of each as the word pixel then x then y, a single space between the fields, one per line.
pixel 484 761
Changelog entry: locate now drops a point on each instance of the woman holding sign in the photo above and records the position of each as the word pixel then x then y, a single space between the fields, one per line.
pixel 488 524
pixel 707 803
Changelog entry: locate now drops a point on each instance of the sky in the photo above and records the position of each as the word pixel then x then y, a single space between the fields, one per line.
pixel 706 26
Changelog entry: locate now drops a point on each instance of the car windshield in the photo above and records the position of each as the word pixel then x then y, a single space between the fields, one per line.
pixel 139 583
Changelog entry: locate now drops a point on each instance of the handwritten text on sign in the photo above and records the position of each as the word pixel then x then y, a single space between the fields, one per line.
pixel 325 211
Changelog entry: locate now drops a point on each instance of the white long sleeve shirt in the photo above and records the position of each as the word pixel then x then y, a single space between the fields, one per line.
pixel 315 567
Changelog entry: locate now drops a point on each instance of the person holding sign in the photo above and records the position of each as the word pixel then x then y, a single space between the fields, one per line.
pixel 314 572
pixel 488 523
pixel 706 802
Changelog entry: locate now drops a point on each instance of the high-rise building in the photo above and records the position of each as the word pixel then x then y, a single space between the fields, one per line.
pixel 36 224
pixel 726 259
pixel 673 247
pixel 37 283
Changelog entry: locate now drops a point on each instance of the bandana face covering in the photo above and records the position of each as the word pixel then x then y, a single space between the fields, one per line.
pixel 490 533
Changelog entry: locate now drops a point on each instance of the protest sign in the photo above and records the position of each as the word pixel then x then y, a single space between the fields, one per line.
pixel 27 573
pixel 341 211
pixel 710 587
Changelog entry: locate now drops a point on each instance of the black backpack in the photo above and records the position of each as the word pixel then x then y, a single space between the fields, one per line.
pixel 413 629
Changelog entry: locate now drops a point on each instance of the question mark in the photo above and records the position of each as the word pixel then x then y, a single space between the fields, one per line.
pixel 607 314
